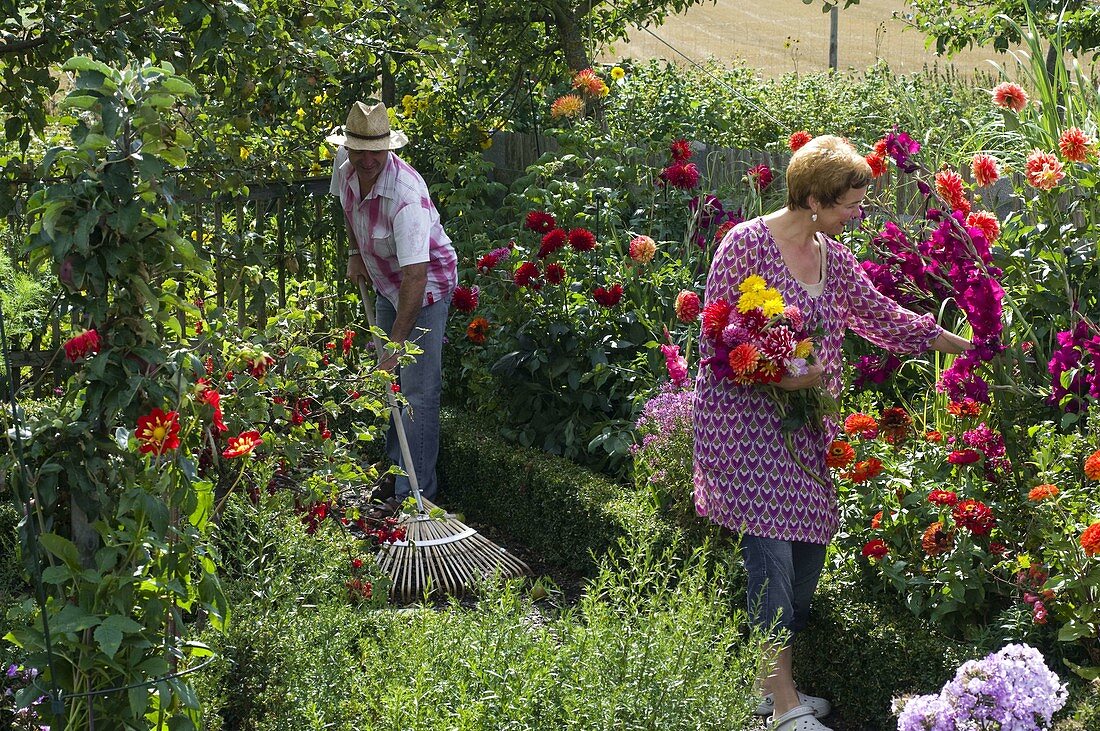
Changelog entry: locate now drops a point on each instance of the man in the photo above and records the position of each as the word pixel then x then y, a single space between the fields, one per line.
pixel 399 246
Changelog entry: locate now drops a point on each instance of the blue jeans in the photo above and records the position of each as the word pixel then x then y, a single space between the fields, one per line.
pixel 422 384
pixel 782 579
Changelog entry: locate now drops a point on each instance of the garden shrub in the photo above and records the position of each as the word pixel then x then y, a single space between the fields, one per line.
pixel 288 655
pixel 563 511
pixel 651 645
pixel 11 572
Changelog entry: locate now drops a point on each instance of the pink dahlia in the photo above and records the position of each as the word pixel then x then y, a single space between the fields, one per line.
pixel 1010 96
pixel 1043 169
pixel 1075 145
pixel 985 169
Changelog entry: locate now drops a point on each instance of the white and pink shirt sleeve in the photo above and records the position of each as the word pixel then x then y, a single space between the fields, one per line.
pixel 396 225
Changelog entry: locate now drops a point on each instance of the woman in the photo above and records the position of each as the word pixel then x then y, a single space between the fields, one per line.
pixel 746 479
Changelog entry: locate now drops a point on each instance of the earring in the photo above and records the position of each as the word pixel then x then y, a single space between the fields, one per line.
pixel 814 217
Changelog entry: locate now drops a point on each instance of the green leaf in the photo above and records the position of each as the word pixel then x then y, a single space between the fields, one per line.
pixel 57 574
pixel 61 547
pixel 72 619
pixel 109 634
pixel 83 63
pixel 177 86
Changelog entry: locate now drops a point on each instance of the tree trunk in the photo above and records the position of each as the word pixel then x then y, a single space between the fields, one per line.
pixel 389 88
pixel 570 37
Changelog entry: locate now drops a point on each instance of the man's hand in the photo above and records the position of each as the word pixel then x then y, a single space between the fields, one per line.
pixel 387 361
pixel 357 269
pixel 810 380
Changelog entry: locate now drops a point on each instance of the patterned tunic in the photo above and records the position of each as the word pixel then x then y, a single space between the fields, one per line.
pixel 745 479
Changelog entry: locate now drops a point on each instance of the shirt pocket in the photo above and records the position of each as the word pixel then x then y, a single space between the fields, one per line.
pixel 381 239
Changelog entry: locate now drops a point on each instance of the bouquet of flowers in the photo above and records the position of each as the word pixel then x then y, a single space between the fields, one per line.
pixel 757 341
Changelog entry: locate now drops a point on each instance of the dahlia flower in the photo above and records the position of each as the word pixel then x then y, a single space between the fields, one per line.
pixel 1010 96
pixel 1075 145
pixel 642 249
pixel 1043 169
pixel 985 169
pixel 569 106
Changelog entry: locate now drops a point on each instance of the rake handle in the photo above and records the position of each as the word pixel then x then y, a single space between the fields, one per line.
pixel 395 409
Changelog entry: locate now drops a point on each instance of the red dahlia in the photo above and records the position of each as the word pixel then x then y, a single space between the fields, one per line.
pixel 555 273
pixel 875 549
pixel 798 139
pixel 581 239
pixel 539 222
pixel 687 306
pixel 975 516
pixel 716 315
pixel 680 150
pixel 465 298
pixel 552 241
pixel 527 275
pixel 608 297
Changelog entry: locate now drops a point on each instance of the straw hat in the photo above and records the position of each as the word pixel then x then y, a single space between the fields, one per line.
pixel 368 128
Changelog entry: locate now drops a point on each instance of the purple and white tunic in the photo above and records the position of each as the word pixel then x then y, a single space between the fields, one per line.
pixel 745 479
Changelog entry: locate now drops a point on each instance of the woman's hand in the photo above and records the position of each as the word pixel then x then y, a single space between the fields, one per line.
pixel 949 342
pixel 811 379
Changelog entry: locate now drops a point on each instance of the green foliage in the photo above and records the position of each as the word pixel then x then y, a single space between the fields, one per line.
pixel 288 658
pixel 563 511
pixel 11 571
pixel 653 644
pixel 955 25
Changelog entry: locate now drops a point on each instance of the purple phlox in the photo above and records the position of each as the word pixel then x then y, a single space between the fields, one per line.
pixel 1011 690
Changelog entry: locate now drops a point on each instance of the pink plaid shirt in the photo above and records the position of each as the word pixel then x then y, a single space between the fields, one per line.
pixel 396 224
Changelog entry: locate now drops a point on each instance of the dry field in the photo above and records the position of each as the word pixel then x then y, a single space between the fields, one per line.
pixel 781 36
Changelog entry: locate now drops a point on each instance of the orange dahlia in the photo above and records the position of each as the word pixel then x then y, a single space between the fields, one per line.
pixel 840 455
pixel 985 169
pixel 985 222
pixel 478 330
pixel 876 522
pixel 590 83
pixel 1042 492
pixel 1090 539
pixel 687 306
pixel 798 139
pixel 569 106
pixel 1044 171
pixel 1010 96
pixel 1092 466
pixel 1075 145
pixel 744 359
pixel 949 184
pixel 936 540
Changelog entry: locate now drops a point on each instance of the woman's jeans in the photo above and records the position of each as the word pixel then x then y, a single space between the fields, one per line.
pixel 421 384
pixel 782 579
